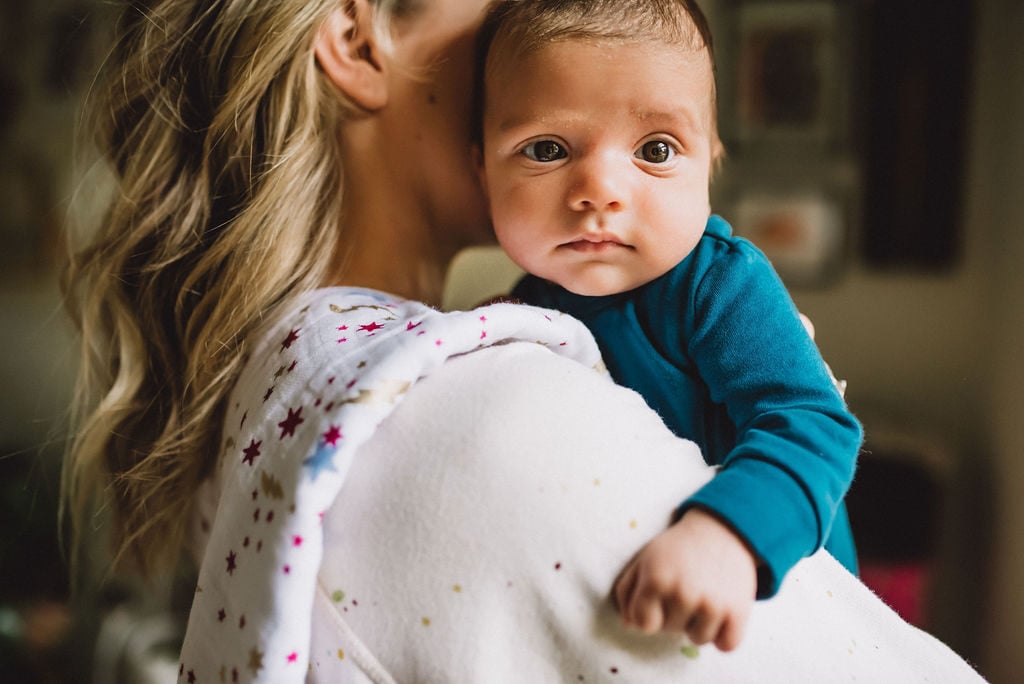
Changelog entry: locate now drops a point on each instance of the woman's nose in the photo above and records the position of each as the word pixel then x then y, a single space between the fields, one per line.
pixel 597 185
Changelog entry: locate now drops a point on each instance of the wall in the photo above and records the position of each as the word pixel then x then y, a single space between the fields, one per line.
pixel 1001 180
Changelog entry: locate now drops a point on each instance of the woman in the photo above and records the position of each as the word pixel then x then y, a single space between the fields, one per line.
pixel 265 151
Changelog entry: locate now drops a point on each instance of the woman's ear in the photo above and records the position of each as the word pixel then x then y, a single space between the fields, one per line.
pixel 347 51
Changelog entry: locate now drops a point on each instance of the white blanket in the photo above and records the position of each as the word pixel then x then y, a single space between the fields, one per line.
pixel 493 556
pixel 484 553
pixel 317 384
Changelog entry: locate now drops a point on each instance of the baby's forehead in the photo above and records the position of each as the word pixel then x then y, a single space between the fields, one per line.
pixel 505 55
pixel 679 78
pixel 505 62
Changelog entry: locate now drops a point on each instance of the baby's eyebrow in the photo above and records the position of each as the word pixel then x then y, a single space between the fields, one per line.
pixel 675 117
pixel 550 118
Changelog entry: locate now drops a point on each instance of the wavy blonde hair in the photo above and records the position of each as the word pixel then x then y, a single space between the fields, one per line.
pixel 221 132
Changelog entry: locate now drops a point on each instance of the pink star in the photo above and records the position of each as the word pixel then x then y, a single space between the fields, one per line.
pixel 221 615
pixel 342 340
pixel 371 327
pixel 256 515
pixel 483 334
pixel 270 390
pixel 294 364
pixel 413 326
pixel 290 340
pixel 289 424
pixel 343 328
pixel 332 435
pixel 241 622
pixel 251 452
pixel 287 569
pixel 438 343
pixel 232 565
pixel 292 657
pixel 297 540
pixel 483 319
pixel 191 677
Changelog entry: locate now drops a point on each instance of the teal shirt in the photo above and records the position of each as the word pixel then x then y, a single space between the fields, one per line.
pixel 717 348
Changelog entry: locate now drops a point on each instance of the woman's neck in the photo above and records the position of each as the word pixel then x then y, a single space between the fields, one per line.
pixel 384 257
pixel 387 241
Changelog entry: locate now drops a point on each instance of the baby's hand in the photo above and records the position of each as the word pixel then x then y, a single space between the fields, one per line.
pixel 697 577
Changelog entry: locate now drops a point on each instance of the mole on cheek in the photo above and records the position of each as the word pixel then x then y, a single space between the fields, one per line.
pixel 432 98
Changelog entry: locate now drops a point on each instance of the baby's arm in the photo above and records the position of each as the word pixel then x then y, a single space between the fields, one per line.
pixel 697 577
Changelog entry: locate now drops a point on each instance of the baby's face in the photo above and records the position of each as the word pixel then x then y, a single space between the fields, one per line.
pixel 596 160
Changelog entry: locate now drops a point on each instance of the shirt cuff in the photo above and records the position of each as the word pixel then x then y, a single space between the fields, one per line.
pixel 769 510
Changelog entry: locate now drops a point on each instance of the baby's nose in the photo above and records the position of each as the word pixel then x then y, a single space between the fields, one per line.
pixel 597 186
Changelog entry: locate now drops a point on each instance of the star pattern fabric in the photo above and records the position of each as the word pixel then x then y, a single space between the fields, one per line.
pixel 305 402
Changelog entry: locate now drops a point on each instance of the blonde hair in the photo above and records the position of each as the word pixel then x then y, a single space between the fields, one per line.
pixel 221 132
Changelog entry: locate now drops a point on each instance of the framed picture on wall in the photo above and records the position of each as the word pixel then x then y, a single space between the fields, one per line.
pixel 786 76
pixel 802 233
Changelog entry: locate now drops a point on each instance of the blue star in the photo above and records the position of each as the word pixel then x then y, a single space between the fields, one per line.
pixel 321 460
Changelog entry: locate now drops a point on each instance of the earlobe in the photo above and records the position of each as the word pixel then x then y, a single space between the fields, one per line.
pixel 347 51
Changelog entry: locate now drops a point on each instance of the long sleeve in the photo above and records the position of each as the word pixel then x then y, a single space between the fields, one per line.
pixel 782 483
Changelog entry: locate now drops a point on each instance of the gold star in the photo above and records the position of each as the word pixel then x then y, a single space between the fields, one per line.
pixel 255 661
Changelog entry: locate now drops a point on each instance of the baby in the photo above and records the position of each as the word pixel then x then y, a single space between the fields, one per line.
pixel 596 139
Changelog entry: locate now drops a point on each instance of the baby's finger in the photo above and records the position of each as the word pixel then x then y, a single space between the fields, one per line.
pixel 676 617
pixel 731 633
pixel 808 326
pixel 647 614
pixel 704 626
pixel 625 587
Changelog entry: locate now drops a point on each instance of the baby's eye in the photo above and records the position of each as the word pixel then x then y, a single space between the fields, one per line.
pixel 655 152
pixel 545 151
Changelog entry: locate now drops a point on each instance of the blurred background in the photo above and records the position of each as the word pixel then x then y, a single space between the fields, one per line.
pixel 875 152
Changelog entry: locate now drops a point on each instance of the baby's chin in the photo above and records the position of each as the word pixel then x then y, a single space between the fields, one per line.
pixel 599 286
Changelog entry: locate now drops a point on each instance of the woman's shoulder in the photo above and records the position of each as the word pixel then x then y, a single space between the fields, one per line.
pixel 320 320
pixel 337 347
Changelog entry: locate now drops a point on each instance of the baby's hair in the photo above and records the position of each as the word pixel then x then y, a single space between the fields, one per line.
pixel 222 136
pixel 519 27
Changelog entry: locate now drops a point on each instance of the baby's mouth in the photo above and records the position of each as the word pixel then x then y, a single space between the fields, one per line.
pixel 596 244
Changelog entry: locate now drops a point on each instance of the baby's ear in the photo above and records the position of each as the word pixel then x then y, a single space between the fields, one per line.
pixel 717 156
pixel 349 55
